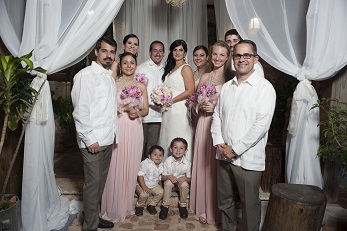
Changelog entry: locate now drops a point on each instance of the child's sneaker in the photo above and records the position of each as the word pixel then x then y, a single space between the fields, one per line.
pixel 163 213
pixel 139 211
pixel 151 209
pixel 183 212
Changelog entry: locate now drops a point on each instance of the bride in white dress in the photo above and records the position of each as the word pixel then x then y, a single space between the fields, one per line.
pixel 179 76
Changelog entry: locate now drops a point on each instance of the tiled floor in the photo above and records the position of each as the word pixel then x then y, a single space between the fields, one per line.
pixel 69 175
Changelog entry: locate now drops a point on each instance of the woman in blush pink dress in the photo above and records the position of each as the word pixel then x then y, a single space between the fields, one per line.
pixel 118 197
pixel 203 195
pixel 200 59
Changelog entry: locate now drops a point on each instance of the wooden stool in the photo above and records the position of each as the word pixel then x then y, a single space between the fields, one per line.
pixel 295 207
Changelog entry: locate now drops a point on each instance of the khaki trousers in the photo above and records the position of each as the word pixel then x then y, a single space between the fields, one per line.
pixel 150 137
pixel 156 193
pixel 248 183
pixel 183 192
pixel 95 168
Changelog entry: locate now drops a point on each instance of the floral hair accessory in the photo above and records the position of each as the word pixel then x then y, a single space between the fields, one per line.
pixel 162 96
pixel 141 77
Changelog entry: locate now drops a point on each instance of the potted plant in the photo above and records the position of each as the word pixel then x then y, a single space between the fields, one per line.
pixel 17 98
pixel 333 147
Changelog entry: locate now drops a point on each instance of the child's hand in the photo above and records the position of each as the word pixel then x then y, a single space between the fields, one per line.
pixel 181 180
pixel 173 179
pixel 145 189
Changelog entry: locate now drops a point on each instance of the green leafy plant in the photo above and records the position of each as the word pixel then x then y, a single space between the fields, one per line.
pixel 17 98
pixel 63 108
pixel 334 130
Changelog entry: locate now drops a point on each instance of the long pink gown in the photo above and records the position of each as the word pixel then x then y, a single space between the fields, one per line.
pixel 203 188
pixel 118 197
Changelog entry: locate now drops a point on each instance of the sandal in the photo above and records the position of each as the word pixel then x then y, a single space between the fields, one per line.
pixel 202 220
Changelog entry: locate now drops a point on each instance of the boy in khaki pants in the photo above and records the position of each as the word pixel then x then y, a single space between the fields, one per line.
pixel 149 181
pixel 177 173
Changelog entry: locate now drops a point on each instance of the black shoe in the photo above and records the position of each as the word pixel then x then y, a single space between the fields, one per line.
pixel 183 212
pixel 163 213
pixel 151 209
pixel 139 211
pixel 103 224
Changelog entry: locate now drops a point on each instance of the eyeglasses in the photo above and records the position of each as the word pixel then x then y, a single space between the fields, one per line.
pixel 245 56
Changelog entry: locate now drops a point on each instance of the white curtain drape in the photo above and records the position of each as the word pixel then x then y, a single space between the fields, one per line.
pixel 223 21
pixel 156 20
pixel 304 39
pixel 61 33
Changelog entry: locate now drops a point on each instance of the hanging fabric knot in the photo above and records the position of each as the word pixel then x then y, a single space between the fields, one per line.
pixel 38 74
pixel 300 75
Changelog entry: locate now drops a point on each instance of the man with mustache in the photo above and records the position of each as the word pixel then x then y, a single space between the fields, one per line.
pixel 153 69
pixel 95 114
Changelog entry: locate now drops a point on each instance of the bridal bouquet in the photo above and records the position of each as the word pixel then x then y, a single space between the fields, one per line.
pixel 131 95
pixel 142 78
pixel 162 97
pixel 206 92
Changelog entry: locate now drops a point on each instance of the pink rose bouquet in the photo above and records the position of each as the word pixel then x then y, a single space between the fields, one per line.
pixel 142 78
pixel 162 96
pixel 206 92
pixel 191 100
pixel 132 96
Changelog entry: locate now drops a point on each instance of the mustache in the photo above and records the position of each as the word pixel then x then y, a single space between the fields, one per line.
pixel 108 59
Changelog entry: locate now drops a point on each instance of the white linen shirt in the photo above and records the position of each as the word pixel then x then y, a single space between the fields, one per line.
pixel 154 73
pixel 177 168
pixel 150 172
pixel 95 107
pixel 242 118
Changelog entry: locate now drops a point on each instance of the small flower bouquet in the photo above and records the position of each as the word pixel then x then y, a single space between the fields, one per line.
pixel 191 100
pixel 142 78
pixel 131 96
pixel 206 93
pixel 162 97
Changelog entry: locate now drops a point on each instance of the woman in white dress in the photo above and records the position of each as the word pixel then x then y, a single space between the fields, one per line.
pixel 178 75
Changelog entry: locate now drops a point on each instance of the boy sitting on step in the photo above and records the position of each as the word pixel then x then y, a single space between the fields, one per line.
pixel 149 181
pixel 177 173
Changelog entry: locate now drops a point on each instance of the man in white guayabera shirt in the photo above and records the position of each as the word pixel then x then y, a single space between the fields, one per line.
pixel 95 114
pixel 153 69
pixel 240 125
pixel 232 37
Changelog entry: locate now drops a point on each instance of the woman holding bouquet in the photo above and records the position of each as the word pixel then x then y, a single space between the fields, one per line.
pixel 200 59
pixel 203 195
pixel 178 75
pixel 118 197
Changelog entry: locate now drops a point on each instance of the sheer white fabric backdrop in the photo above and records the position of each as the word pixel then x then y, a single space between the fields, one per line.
pixel 223 21
pixel 61 34
pixel 314 50
pixel 156 20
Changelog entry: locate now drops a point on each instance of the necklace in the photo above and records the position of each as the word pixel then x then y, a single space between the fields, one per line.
pixel 125 83
pixel 216 80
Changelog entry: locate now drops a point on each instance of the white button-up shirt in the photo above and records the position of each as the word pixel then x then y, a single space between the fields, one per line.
pixel 242 118
pixel 153 73
pixel 151 172
pixel 177 168
pixel 95 107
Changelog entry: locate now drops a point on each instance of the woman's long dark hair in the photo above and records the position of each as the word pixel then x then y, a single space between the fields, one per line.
pixel 171 62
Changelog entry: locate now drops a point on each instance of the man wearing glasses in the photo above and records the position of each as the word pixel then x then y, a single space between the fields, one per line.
pixel 240 125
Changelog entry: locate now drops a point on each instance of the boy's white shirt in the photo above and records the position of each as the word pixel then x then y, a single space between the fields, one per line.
pixel 177 168
pixel 150 172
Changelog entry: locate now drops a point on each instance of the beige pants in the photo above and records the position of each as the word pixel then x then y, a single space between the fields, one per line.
pixel 183 191
pixel 156 193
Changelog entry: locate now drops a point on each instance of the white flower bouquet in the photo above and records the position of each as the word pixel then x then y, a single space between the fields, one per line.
pixel 162 97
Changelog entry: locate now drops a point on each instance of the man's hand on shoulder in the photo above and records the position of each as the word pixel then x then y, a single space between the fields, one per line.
pixel 94 148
